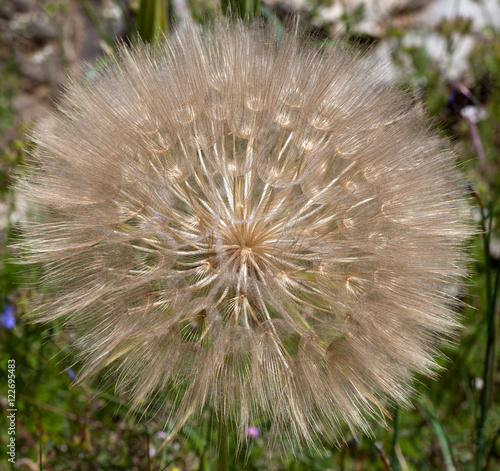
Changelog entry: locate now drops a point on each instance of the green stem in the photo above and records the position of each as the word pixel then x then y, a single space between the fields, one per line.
pixel 222 448
pixel 125 16
pixel 491 292
pixel 152 19
pixel 97 23
pixel 493 448
pixel 395 439
pixel 147 450
pixel 242 8
pixel 426 408
pixel 256 7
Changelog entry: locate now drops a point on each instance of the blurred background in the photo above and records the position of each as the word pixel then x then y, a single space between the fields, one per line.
pixel 447 52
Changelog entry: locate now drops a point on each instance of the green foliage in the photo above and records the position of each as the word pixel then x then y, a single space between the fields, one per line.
pixel 10 153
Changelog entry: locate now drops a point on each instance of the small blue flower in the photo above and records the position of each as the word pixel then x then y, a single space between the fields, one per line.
pixel 7 318
pixel 451 99
pixel 71 373
pixel 468 187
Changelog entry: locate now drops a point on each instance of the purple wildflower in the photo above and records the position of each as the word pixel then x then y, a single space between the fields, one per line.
pixel 253 431
pixel 71 373
pixel 7 318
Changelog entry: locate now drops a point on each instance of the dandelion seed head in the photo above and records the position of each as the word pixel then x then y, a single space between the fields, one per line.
pixel 253 225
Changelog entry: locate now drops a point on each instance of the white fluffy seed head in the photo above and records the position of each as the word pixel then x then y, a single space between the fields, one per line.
pixel 251 225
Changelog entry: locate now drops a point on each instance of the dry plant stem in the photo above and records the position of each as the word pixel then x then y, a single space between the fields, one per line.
pixel 249 224
pixel 383 457
pixel 478 145
pixel 401 458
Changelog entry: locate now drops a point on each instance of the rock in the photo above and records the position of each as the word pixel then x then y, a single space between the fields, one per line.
pixel 23 5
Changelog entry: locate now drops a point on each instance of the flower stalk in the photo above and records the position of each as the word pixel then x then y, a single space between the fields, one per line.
pixel 492 286
pixel 152 19
pixel 222 445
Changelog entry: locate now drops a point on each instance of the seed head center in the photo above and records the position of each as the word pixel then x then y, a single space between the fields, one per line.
pixel 245 247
